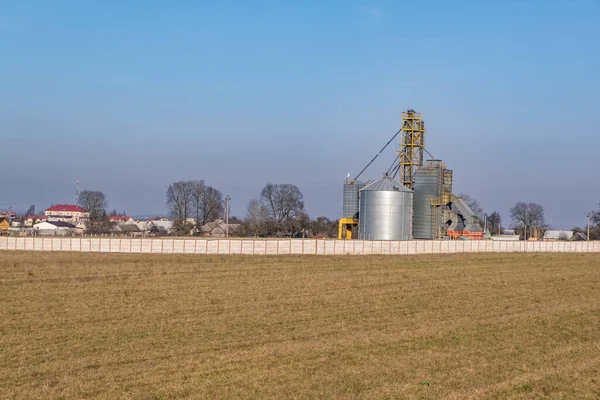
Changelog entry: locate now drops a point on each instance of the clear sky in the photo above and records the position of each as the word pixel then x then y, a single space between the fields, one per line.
pixel 129 96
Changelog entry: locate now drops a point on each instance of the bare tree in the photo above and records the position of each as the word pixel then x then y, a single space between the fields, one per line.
pixel 595 225
pixel 179 199
pixel 213 205
pixel 298 226
pixel 95 203
pixel 182 227
pixel 198 189
pixel 494 223
pixel 284 201
pixel 257 217
pixel 187 199
pixel 30 211
pixel 530 216
pixel 234 220
pixel 325 226
pixel 595 218
pixel 257 211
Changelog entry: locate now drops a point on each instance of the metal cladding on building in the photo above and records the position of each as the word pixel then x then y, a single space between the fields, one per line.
pixel 351 194
pixel 433 187
pixel 465 220
pixel 386 211
pixel 421 205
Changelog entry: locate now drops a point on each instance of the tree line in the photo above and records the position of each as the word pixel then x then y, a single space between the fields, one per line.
pixel 279 211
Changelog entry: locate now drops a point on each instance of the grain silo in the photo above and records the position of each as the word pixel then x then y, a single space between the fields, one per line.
pixel 433 188
pixel 386 210
pixel 351 193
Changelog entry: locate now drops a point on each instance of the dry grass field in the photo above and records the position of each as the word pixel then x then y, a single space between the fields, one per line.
pixel 170 327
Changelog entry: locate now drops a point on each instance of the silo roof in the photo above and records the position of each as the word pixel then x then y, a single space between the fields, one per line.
pixel 386 184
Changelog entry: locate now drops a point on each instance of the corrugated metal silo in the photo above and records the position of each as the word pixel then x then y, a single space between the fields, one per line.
pixel 433 186
pixel 386 210
pixel 351 192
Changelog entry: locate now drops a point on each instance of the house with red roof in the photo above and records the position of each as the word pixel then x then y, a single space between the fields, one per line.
pixel 66 213
pixel 9 215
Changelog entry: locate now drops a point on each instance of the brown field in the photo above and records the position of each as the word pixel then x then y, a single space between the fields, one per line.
pixel 171 327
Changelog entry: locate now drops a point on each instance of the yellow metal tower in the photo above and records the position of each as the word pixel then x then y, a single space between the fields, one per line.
pixel 412 145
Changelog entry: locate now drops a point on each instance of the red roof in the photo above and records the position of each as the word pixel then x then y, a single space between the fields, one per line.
pixel 8 213
pixel 65 208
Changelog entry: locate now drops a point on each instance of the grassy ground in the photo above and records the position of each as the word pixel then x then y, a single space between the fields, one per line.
pixel 166 327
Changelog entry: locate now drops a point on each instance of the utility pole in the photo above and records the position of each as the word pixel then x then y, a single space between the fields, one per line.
pixel 588 226
pixel 485 223
pixel 525 224
pixel 227 198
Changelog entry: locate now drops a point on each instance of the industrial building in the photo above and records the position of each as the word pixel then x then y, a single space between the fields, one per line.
pixel 419 204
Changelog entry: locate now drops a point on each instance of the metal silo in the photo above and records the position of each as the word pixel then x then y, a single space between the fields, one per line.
pixel 351 192
pixel 386 209
pixel 433 187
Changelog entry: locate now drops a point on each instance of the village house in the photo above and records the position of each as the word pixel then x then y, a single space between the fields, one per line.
pixel 121 219
pixel 554 236
pixel 128 229
pixel 143 226
pixel 33 219
pixel 4 225
pixel 9 215
pixel 218 229
pixel 66 213
pixel 56 228
pixel 160 227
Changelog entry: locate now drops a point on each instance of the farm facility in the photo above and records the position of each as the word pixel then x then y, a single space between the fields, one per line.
pixel 421 205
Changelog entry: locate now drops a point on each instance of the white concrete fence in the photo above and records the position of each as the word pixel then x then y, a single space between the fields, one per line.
pixel 287 246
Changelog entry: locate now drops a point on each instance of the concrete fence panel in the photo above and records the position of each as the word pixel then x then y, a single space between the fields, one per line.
pixel 286 246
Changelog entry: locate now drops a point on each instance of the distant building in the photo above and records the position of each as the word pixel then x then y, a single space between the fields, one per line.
pixel 505 238
pixel 160 227
pixel 128 229
pixel 143 226
pixel 56 228
pixel 9 215
pixel 553 236
pixel 218 229
pixel 66 213
pixel 165 219
pixel 4 225
pixel 33 219
pixel 121 219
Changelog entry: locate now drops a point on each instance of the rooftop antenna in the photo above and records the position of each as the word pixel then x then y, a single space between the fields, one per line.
pixel 77 193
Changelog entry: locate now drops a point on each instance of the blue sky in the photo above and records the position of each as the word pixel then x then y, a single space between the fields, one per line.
pixel 129 96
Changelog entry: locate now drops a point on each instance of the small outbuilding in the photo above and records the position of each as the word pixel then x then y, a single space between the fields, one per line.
pixel 128 229
pixel 56 228
pixel 4 225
